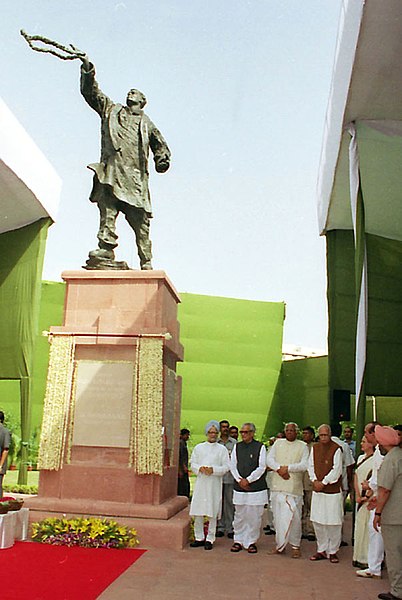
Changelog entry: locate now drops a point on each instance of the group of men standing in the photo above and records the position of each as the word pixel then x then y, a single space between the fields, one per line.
pixel 234 474
pixel 245 491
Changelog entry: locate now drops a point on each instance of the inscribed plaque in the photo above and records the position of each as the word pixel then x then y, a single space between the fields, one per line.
pixel 103 399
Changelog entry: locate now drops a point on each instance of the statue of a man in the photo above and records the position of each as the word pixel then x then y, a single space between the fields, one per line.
pixel 120 181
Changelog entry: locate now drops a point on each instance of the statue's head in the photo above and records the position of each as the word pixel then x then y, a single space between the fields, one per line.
pixel 136 98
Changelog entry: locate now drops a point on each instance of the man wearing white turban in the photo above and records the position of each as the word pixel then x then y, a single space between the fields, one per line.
pixel 209 461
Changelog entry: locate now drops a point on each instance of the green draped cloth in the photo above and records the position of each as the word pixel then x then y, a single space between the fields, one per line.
pixel 21 261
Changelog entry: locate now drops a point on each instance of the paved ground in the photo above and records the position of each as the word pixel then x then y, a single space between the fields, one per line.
pixel 195 573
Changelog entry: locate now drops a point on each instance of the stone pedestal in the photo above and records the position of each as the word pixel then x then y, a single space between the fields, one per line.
pixel 109 314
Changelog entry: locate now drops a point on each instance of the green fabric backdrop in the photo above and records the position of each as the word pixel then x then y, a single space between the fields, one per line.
pixel 301 395
pixel 22 252
pixel 232 359
pixel 384 336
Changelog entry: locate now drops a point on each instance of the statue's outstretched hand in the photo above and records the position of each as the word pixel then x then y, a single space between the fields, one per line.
pixel 83 57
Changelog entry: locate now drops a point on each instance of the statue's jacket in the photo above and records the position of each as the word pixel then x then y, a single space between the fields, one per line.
pixel 126 138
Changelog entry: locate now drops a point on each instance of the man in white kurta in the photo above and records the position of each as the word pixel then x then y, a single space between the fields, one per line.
pixel 288 459
pixel 325 471
pixel 248 465
pixel 209 461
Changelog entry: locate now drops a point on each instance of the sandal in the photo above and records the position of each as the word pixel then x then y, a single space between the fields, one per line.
pixel 318 556
pixel 333 558
pixel 236 547
pixel 252 549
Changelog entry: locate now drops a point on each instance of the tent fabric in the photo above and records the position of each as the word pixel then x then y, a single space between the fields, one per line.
pixel 22 252
pixel 384 327
pixel 233 356
pixel 379 144
pixel 358 218
pixel 301 395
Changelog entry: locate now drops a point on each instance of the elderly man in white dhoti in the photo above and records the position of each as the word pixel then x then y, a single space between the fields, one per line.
pixel 288 460
pixel 325 471
pixel 210 462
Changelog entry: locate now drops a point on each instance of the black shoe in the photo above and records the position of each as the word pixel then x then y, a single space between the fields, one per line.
pixel 208 546
pixel 311 537
pixel 231 535
pixel 197 543
pixel 266 528
pixel 387 596
pixel 304 537
pixel 344 543
pixel 219 534
pixel 270 532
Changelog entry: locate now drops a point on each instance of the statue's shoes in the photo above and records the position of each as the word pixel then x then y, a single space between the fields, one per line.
pixel 147 266
pixel 102 253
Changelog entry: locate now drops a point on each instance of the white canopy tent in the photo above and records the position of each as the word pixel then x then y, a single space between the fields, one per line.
pixel 29 186
pixel 29 197
pixel 360 200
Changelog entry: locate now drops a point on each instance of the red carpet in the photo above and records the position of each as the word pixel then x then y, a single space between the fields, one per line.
pixel 44 572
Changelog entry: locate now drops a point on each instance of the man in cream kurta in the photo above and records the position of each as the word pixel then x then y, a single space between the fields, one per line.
pixel 209 461
pixel 325 471
pixel 288 460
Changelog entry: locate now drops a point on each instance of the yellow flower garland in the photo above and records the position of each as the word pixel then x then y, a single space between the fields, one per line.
pixel 56 403
pixel 146 447
pixel 146 443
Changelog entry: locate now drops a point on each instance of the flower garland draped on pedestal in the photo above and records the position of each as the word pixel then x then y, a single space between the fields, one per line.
pixel 146 444
pixel 57 403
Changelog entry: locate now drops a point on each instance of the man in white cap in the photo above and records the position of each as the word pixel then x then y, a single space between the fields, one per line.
pixel 250 495
pixel 209 461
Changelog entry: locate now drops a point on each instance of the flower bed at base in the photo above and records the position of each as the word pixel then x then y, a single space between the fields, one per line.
pixel 87 532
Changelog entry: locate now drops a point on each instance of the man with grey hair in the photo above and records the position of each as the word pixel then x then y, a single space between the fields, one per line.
pixel 288 460
pixel 325 471
pixel 250 495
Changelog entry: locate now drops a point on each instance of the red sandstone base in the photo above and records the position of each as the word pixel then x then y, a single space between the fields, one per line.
pixel 107 312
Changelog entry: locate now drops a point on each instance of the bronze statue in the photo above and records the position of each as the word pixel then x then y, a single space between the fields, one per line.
pixel 120 181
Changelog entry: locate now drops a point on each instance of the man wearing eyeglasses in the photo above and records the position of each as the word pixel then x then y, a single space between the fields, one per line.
pixel 250 495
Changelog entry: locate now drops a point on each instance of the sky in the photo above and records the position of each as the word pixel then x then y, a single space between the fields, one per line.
pixel 239 89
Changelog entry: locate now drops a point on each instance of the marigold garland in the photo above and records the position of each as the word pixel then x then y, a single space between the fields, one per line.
pixel 147 447
pixel 56 403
